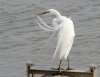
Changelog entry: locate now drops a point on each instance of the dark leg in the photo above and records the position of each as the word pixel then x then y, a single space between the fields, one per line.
pixel 68 63
pixel 59 68
pixel 60 65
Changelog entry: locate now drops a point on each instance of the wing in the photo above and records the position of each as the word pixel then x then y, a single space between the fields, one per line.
pixel 65 39
pixel 66 47
pixel 59 44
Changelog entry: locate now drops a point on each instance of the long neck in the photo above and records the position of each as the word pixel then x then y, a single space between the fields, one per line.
pixel 57 14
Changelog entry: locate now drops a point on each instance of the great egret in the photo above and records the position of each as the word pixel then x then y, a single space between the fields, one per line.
pixel 66 33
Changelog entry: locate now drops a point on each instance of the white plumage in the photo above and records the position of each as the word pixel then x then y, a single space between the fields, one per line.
pixel 65 29
pixel 65 38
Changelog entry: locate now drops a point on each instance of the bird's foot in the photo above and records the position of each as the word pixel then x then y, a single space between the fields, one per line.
pixel 57 68
pixel 60 69
pixel 68 68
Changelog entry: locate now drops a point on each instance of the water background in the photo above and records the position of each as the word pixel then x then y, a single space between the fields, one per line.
pixel 21 39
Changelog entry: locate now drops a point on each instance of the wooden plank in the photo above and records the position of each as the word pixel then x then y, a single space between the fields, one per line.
pixel 66 73
pixel 92 72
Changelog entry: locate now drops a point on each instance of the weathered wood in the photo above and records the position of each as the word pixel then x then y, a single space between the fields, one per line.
pixel 74 73
pixel 64 73
pixel 28 67
pixel 93 70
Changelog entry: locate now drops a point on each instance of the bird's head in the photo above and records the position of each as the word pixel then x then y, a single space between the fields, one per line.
pixel 50 11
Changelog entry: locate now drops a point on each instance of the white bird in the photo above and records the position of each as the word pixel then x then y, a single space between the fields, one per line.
pixel 66 33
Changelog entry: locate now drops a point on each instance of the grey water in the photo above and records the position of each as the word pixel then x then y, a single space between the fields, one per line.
pixel 21 39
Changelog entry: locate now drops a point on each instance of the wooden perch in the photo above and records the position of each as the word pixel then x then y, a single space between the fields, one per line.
pixel 73 73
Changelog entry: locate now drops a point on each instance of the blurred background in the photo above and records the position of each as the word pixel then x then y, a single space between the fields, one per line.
pixel 21 39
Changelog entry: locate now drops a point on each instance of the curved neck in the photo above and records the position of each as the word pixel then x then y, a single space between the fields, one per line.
pixel 57 15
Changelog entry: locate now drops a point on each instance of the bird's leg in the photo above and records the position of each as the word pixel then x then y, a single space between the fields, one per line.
pixel 60 65
pixel 68 63
pixel 59 68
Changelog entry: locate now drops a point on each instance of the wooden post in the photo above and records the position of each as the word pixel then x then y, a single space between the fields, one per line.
pixel 32 68
pixel 93 69
pixel 29 65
